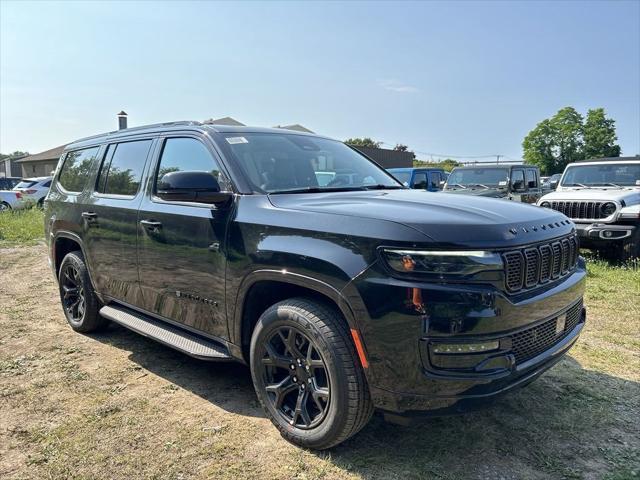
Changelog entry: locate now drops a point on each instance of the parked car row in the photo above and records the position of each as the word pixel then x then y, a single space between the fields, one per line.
pixel 602 197
pixel 23 193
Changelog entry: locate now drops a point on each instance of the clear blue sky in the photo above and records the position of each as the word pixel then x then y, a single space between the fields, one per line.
pixel 452 78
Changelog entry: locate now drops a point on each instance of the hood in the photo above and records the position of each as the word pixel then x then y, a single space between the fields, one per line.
pixel 460 220
pixel 629 195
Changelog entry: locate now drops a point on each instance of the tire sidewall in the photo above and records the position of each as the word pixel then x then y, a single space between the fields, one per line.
pixel 335 419
pixel 90 311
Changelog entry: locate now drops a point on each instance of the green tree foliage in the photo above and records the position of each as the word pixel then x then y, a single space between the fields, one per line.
pixel 600 135
pixel 16 154
pixel 565 138
pixel 447 164
pixel 363 142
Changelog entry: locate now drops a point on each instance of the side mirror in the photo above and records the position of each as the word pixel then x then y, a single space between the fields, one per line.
pixel 532 184
pixel 441 184
pixel 553 184
pixel 191 186
pixel 518 185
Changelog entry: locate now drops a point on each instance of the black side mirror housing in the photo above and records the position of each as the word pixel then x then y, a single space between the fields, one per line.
pixel 553 184
pixel 191 186
pixel 532 184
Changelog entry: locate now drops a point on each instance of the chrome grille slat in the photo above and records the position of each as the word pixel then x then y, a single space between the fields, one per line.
pixel 529 267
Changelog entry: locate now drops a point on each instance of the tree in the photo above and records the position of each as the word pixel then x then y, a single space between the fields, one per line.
pixel 16 154
pixel 565 138
pixel 447 164
pixel 363 142
pixel 400 147
pixel 600 135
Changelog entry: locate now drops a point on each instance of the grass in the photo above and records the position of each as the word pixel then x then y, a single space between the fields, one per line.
pixel 116 405
pixel 21 227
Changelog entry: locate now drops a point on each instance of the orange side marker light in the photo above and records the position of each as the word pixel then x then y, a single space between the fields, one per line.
pixel 359 348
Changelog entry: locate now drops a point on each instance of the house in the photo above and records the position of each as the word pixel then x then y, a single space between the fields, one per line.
pixel 224 121
pixel 387 158
pixel 9 167
pixel 296 127
pixel 41 164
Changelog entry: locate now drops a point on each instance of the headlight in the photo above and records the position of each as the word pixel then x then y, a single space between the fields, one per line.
pixel 630 212
pixel 608 209
pixel 442 264
pixel 545 205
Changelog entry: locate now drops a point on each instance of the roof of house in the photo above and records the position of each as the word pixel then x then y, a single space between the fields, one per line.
pixel 296 126
pixel 224 121
pixel 47 155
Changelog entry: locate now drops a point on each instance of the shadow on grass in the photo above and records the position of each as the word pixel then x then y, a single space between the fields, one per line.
pixel 569 423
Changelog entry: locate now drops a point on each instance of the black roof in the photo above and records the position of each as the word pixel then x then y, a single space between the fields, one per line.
pixel 181 126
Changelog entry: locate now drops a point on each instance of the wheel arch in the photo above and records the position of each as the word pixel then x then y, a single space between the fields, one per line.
pixel 263 288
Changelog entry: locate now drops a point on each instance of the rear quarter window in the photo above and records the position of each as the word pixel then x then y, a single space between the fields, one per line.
pixel 75 169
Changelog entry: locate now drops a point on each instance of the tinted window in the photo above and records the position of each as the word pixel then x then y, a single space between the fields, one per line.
pixel 403 177
pixel 187 155
pixel 47 184
pixel 75 169
pixel 420 181
pixel 604 174
pixel 531 177
pixel 518 176
pixel 122 167
pixel 434 178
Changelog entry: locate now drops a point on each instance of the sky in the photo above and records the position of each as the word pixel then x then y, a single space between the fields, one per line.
pixel 447 79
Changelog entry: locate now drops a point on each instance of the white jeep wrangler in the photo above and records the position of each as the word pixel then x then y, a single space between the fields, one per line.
pixel 602 197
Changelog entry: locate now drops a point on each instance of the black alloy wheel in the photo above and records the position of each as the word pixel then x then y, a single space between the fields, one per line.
pixel 296 378
pixel 73 297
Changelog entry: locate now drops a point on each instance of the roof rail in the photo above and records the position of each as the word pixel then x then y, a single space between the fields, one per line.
pixel 142 127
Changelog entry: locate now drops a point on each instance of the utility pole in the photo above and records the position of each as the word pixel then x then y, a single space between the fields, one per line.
pixel 498 159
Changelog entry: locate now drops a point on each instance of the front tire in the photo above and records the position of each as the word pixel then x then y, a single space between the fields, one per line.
pixel 79 301
pixel 307 374
pixel 4 207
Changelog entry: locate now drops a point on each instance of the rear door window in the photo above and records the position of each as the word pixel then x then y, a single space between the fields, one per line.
pixel 75 169
pixel 531 178
pixel 434 180
pixel 121 170
pixel 25 184
pixel 420 181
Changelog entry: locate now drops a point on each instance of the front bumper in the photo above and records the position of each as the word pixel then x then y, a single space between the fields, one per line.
pixel 398 321
pixel 603 232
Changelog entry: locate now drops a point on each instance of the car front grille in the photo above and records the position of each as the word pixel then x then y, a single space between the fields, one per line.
pixel 580 210
pixel 529 267
pixel 531 342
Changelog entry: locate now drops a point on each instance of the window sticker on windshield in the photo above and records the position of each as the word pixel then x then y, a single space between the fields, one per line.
pixel 502 183
pixel 235 140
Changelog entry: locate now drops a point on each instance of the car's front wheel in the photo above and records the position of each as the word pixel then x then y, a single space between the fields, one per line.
pixel 4 207
pixel 307 374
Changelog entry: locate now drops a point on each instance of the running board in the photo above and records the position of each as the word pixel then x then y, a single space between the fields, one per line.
pixel 168 335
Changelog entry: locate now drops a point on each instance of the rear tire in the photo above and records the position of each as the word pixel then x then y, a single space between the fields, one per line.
pixel 307 374
pixel 4 207
pixel 79 301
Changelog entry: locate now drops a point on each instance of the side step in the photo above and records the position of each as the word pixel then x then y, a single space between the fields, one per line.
pixel 168 335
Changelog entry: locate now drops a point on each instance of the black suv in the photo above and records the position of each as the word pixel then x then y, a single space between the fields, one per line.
pixel 357 295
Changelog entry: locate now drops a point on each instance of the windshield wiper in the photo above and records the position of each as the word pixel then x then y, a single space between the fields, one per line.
pixel 612 184
pixel 318 190
pixel 576 185
pixel 457 185
pixel 382 187
pixel 480 185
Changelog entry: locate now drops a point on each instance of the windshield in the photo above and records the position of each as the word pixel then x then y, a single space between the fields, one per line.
pixel 609 174
pixel 277 163
pixel 401 176
pixel 24 184
pixel 478 176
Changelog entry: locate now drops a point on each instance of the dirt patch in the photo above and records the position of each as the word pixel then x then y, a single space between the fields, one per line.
pixel 116 405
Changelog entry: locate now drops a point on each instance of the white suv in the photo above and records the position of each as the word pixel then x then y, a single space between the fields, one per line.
pixel 602 197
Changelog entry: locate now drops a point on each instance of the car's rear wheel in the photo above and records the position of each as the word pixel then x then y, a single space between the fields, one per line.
pixel 307 374
pixel 79 302
pixel 4 206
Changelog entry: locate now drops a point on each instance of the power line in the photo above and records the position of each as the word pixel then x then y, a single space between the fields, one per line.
pixel 444 155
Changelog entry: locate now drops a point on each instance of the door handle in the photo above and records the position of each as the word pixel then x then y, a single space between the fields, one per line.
pixel 151 225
